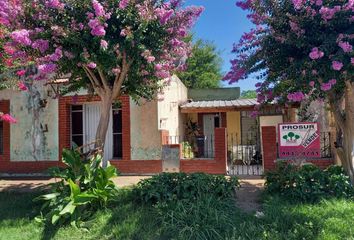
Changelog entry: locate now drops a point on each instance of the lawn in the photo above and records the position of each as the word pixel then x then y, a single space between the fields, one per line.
pixel 206 219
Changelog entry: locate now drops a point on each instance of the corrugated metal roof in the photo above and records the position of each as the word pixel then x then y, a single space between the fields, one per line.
pixel 220 103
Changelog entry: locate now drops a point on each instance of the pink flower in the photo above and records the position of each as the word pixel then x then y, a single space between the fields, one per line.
pixel 104 44
pixel 312 84
pixel 346 46
pixel 54 4
pixel 56 55
pixel 298 4
pixel 41 45
pixel 21 73
pixel 99 11
pixel 316 53
pixel 98 31
pixel 123 4
pixel 332 81
pixel 163 14
pixel 319 2
pixel 69 55
pixel 150 59
pixel 326 86
pixel 7 118
pixel 336 65
pixel 21 37
pixel 296 96
pixel 352 61
pixel 116 70
pixel 158 67
pixel 47 68
pixel 22 86
pixel 92 65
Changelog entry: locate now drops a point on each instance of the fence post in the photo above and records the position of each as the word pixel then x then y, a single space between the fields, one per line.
pixel 269 142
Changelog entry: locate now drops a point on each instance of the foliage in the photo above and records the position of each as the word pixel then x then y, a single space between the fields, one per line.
pixel 308 182
pixel 187 150
pixel 248 94
pixel 84 188
pixel 168 187
pixel 203 67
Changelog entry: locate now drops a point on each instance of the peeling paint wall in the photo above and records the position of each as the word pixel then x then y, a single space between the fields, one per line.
pixel 169 115
pixel 145 137
pixel 35 136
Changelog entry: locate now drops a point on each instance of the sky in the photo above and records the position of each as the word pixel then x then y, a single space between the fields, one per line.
pixel 223 24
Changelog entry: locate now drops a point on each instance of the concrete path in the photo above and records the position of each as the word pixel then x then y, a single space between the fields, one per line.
pixel 248 196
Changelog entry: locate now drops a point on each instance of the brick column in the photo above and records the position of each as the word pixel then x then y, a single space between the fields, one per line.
pixel 221 149
pixel 5 156
pixel 269 143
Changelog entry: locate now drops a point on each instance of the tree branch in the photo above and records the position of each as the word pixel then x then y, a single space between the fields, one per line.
pixel 118 82
pixel 93 82
pixel 103 78
pixel 336 107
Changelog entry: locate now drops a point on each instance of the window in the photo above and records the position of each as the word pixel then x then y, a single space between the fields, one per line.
pixel 1 138
pixel 117 133
pixel 77 131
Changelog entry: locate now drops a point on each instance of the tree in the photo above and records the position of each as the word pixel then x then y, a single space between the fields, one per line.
pixel 302 51
pixel 203 67
pixel 248 94
pixel 110 47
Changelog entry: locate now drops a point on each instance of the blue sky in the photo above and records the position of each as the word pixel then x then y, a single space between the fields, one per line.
pixel 223 23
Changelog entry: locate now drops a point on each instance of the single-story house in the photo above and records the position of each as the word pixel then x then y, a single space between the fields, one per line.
pixel 187 130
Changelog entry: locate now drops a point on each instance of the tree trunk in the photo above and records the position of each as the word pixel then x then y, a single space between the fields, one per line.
pixel 345 147
pixel 105 112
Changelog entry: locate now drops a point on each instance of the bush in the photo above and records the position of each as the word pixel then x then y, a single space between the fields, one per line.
pixel 167 187
pixel 84 187
pixel 308 183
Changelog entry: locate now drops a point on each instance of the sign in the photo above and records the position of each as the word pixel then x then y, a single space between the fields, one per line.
pixel 299 140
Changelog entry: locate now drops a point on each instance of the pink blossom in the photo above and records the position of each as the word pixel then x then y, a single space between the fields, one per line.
pixel 158 67
pixel 116 70
pixel 41 45
pixel 8 118
pixel 312 84
pixel 92 65
pixel 163 14
pixel 332 81
pixel 104 44
pixel 296 96
pixel 98 31
pixel 352 61
pixel 336 65
pixel 22 86
pixel 319 2
pixel 327 13
pixel 316 53
pixel 298 4
pixel 21 73
pixel 54 4
pixel 56 55
pixel 326 86
pixel 68 54
pixel 47 68
pixel 346 46
pixel 99 11
pixel 123 4
pixel 21 37
pixel 150 59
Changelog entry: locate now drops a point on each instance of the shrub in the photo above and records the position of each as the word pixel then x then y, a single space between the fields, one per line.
pixel 84 187
pixel 308 182
pixel 167 187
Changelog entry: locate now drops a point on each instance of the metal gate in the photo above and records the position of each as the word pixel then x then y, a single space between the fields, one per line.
pixel 244 159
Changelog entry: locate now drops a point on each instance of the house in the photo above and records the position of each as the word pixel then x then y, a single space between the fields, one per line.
pixel 184 130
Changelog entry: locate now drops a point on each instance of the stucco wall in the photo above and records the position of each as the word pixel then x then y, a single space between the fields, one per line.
pixel 35 136
pixel 169 116
pixel 145 136
pixel 233 127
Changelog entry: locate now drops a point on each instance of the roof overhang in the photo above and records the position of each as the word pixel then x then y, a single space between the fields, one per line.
pixel 219 106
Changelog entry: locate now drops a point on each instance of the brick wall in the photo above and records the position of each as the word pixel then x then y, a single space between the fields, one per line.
pixel 215 166
pixel 270 151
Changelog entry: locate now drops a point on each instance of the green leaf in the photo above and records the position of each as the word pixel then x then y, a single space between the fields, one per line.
pixel 69 208
pixel 74 188
pixel 47 196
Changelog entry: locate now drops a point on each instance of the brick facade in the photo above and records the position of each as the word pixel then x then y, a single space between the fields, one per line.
pixel 213 166
pixel 270 151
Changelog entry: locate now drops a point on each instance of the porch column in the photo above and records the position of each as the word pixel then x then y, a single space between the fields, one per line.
pixel 269 143
pixel 221 149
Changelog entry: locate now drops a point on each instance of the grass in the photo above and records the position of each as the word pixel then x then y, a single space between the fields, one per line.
pixel 205 219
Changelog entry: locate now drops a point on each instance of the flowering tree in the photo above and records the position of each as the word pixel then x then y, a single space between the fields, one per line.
pixel 111 47
pixel 302 50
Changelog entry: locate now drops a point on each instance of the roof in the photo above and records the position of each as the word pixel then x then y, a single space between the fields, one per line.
pixel 210 94
pixel 218 105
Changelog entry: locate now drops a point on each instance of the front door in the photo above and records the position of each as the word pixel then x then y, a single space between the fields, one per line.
pixel 91 120
pixel 208 130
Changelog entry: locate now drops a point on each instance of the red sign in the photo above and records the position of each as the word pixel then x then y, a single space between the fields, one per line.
pixel 299 140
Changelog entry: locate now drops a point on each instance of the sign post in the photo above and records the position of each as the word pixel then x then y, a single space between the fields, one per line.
pixel 299 140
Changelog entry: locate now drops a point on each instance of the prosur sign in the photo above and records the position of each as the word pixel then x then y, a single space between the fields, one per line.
pixel 299 140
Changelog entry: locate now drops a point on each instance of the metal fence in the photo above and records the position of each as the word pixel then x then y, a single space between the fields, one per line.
pixel 244 159
pixel 194 146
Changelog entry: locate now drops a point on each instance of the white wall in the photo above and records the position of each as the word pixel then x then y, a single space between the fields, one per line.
pixel 169 115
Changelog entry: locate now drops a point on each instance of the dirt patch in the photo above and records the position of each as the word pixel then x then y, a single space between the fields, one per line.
pixel 248 195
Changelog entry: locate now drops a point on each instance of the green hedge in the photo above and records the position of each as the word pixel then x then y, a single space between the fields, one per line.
pixel 308 183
